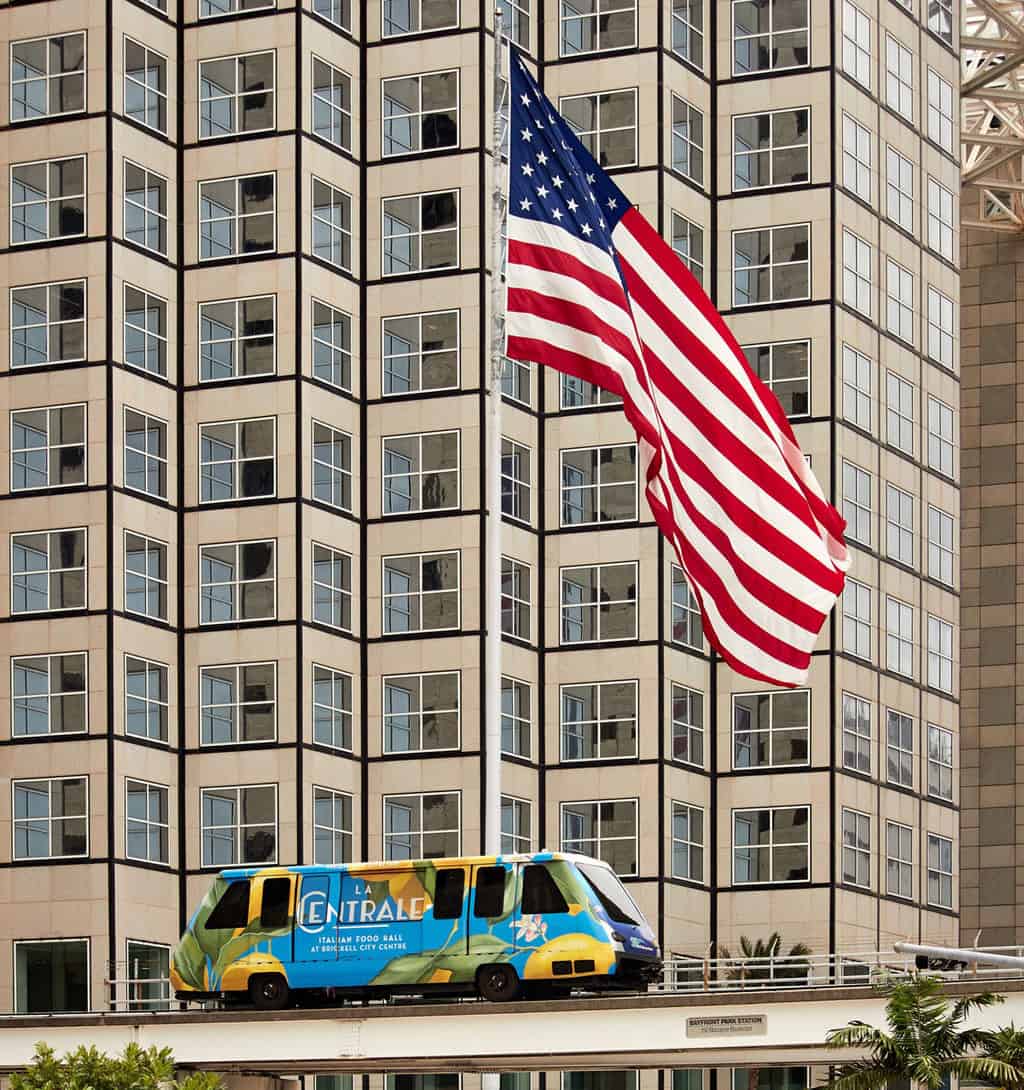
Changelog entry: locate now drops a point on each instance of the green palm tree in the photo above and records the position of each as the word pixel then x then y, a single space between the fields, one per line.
pixel 926 1042
pixel 760 960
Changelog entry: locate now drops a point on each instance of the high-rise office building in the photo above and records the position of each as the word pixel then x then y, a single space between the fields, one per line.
pixel 246 245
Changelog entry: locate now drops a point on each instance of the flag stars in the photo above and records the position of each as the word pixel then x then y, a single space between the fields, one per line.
pixel 557 182
pixel 527 169
pixel 526 134
pixel 571 205
pixel 591 179
pixel 525 99
pixel 587 229
pixel 542 191
pixel 525 204
pixel 612 202
pixel 557 215
pixel 541 158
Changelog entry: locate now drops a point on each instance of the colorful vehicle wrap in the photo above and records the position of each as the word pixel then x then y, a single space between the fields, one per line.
pixel 414 925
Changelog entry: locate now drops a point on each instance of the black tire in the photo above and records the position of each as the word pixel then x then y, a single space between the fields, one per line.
pixel 498 983
pixel 269 992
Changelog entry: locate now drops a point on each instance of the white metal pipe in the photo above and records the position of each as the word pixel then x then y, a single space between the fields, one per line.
pixel 955 953
pixel 492 584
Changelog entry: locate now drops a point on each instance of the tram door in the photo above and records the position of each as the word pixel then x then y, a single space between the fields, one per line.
pixel 493 910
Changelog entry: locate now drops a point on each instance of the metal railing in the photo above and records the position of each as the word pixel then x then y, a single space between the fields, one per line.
pixel 687 974
pixel 840 970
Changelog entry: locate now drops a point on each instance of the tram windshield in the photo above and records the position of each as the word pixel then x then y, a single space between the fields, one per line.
pixel 612 894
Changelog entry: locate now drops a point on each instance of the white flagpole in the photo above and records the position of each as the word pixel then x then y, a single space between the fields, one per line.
pixel 492 656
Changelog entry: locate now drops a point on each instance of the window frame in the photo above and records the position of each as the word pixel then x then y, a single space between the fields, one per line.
pixel 421 714
pixel 894 76
pixel 147 334
pixel 150 786
pixel 857 621
pixel 147 699
pixel 599 131
pixel 562 642
pixel 943 444
pixel 148 579
pixel 236 57
pixel 421 832
pixel 770 731
pixel 162 216
pixel 690 847
pixel 855 509
pixel 853 362
pixel 342 144
pixel 51 326
pixel 941 232
pixel 50 448
pixel 899 636
pixel 336 675
pixel 47 77
pixel 694 148
pixel 945 739
pixel 564 52
pixel 899 759
pixel 163 462
pixel 456 193
pixel 239 826
pixel 894 414
pixel 338 475
pixel 85 817
pixel 147 90
pixel 597 486
pixel 899 189
pixel 860 854
pixel 516 572
pixel 344 594
pixel 934 108
pixel 939 664
pixel 517 807
pixel 771 150
pixel 858 285
pixel 237 462
pixel 339 198
pixel 861 742
pixel 942 875
pixel 695 733
pixel 597 720
pixel 83 940
pixel 854 35
pixel 238 704
pixel 384 356
pixel 454 25
pixel 904 531
pixel 47 200
pixel 771 266
pixel 770 845
pixel 901 861
pixel 771 33
pixel 50 694
pixel 938 333
pixel 386 595
pixel 333 796
pixel 598 839
pixel 237 582
pixel 519 724
pixel 938 550
pixel 859 190
pixel 238 339
pixel 384 118
pixel 417 474
pixel 236 219
pixel 344 353
pixel 13 537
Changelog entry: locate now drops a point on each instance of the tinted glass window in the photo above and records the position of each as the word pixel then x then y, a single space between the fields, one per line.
pixel 232 909
pixel 612 894
pixel 274 910
pixel 540 894
pixel 448 890
pixel 490 892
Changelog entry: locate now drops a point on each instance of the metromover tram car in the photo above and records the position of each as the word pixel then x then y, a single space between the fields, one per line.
pixel 492 925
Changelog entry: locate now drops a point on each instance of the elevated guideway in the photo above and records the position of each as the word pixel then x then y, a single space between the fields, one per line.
pixel 701 1017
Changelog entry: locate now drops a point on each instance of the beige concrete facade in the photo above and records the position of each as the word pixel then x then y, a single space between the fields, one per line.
pixel 264 708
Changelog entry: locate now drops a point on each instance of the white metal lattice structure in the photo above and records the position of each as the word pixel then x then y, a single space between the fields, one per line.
pixel 992 114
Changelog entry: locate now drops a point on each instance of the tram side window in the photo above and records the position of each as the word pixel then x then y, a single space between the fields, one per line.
pixel 540 894
pixel 276 895
pixel 490 892
pixel 232 909
pixel 449 887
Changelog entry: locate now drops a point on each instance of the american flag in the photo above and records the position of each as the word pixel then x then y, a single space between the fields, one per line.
pixel 594 291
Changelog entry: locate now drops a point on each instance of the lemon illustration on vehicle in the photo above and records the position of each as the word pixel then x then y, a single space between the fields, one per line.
pixel 571 947
pixel 236 975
